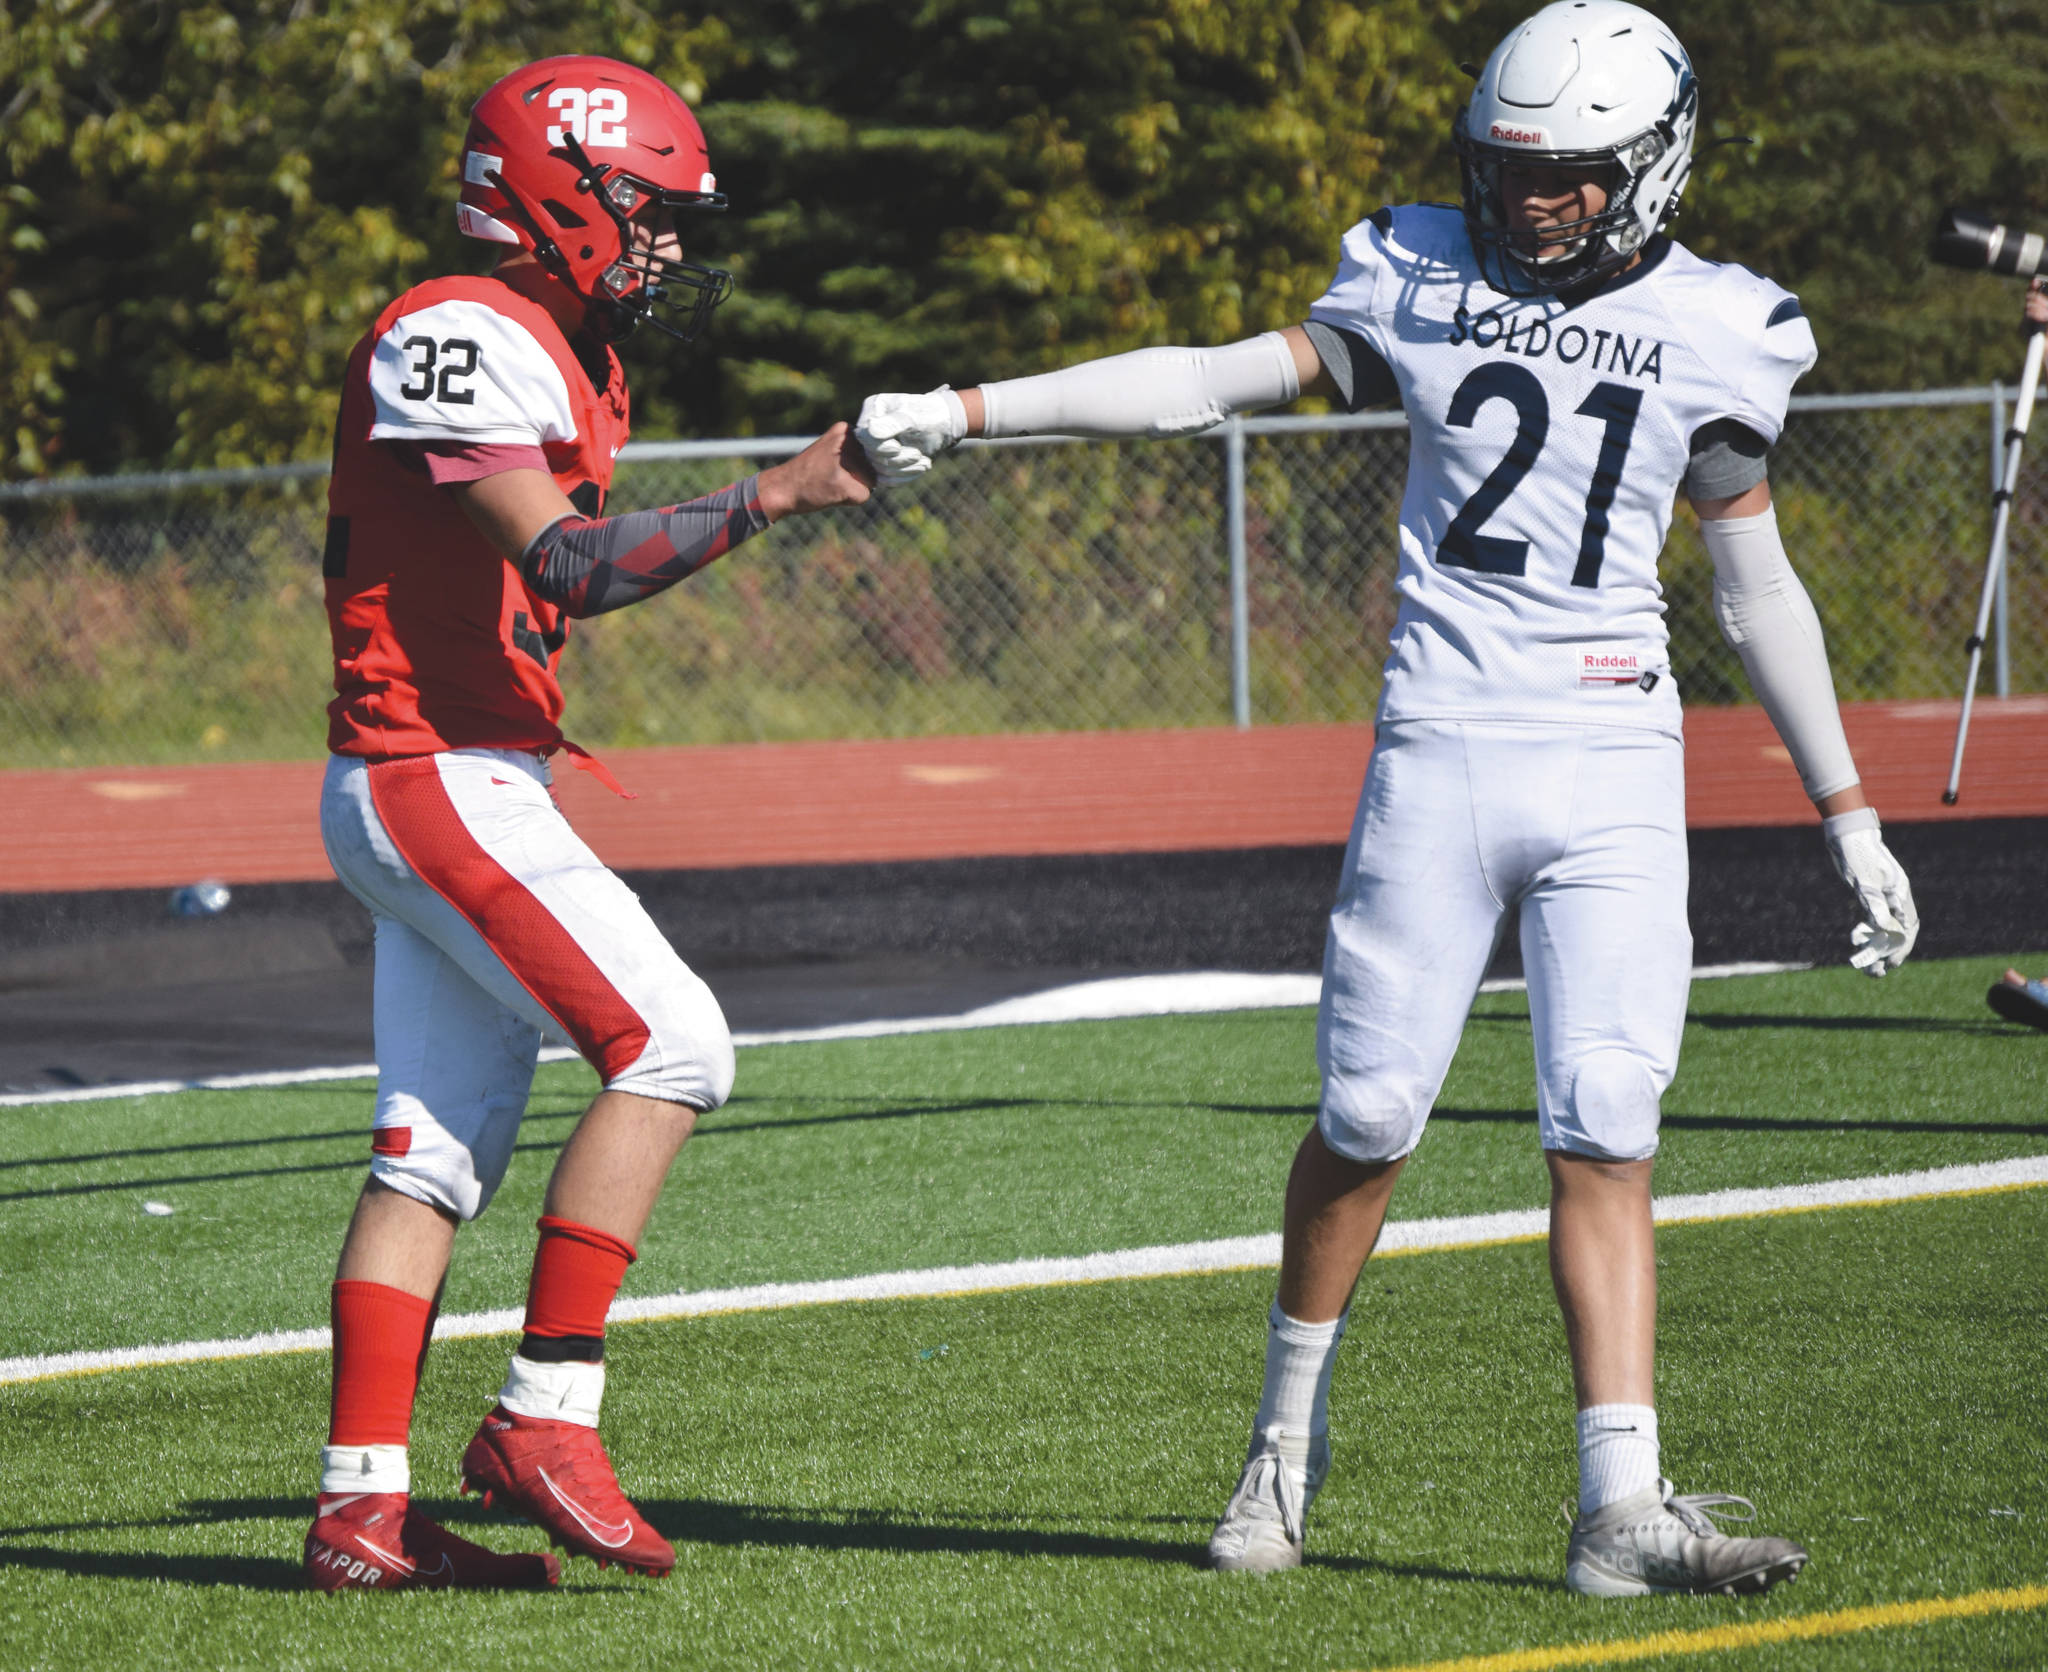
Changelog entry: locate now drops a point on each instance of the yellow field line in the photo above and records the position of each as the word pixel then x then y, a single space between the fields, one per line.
pixel 1798 1628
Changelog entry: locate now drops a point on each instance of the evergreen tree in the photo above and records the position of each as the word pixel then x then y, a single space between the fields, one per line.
pixel 204 204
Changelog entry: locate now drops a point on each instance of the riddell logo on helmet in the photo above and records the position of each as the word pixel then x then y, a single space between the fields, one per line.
pixel 1518 136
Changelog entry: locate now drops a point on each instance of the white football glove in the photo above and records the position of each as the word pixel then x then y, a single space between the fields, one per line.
pixel 1890 923
pixel 902 434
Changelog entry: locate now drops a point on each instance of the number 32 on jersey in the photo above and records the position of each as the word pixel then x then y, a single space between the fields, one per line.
pixel 1614 405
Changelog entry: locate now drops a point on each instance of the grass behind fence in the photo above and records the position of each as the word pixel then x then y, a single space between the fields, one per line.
pixel 1048 588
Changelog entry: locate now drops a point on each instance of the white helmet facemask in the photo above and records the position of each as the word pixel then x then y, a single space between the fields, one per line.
pixel 1596 88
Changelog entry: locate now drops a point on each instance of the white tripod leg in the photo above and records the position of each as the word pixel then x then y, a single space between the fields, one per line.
pixel 2015 438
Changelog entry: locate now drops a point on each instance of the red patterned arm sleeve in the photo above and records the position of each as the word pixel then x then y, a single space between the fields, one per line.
pixel 589 566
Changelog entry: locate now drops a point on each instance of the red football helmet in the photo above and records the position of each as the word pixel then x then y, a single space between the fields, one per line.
pixel 559 159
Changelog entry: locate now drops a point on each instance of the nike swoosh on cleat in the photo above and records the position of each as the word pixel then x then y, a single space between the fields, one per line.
pixel 398 1562
pixel 590 1524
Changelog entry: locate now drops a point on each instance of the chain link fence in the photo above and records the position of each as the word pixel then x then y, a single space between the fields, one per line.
pixel 1246 574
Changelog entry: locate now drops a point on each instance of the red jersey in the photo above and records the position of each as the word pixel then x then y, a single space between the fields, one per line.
pixel 438 644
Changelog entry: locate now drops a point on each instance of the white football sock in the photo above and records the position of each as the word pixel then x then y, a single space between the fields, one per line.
pixel 1299 1359
pixel 569 1392
pixel 1617 1454
pixel 364 1469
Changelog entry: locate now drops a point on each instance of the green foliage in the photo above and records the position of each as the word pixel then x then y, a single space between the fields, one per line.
pixel 1870 119
pixel 209 202
pixel 205 203
pixel 993 194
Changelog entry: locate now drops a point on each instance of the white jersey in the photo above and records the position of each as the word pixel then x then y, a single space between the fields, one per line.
pixel 1548 443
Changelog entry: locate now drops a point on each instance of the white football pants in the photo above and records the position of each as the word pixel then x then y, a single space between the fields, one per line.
pixel 494 920
pixel 1584 830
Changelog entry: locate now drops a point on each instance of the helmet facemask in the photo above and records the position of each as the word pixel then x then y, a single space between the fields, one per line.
pixel 638 281
pixel 1601 91
pixel 1592 248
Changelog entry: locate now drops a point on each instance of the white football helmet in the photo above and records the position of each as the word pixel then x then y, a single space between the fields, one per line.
pixel 1583 83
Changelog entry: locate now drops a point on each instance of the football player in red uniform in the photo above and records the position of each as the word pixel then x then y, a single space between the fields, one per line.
pixel 479 423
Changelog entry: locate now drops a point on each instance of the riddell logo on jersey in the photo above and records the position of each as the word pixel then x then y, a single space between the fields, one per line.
pixel 1609 667
pixel 1518 136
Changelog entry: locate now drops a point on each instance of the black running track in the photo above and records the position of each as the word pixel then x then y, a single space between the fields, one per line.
pixel 106 987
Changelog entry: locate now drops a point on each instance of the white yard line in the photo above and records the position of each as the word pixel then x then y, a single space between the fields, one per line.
pixel 1193 993
pixel 1414 1236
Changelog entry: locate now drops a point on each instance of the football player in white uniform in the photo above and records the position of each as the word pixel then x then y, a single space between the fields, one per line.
pixel 1566 370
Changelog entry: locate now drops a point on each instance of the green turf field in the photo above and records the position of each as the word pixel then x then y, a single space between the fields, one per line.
pixel 843 1493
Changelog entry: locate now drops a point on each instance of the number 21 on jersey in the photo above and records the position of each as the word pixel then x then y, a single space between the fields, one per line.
pixel 1614 405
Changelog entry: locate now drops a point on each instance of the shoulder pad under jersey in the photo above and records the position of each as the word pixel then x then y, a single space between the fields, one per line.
pixel 459 369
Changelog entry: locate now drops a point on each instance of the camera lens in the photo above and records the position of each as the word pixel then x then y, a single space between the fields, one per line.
pixel 1969 241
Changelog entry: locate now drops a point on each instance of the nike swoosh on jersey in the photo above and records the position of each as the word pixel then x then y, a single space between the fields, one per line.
pixel 599 1530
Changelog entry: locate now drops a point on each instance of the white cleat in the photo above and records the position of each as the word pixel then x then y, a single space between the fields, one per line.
pixel 1263 1524
pixel 1658 1542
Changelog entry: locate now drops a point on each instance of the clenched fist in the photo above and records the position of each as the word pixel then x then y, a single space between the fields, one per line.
pixel 902 434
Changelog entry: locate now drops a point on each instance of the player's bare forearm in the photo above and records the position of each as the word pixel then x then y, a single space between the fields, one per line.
pixel 1751 502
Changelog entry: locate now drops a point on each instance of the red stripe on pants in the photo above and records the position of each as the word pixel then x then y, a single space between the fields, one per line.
pixel 541 955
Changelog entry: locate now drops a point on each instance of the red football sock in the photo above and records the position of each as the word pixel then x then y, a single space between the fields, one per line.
pixel 576 1271
pixel 380 1345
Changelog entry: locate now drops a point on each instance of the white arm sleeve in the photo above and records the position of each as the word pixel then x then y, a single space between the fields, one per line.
pixel 1154 393
pixel 1767 616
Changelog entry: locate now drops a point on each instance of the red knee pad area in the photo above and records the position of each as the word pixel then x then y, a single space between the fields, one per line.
pixel 380 1343
pixel 577 1269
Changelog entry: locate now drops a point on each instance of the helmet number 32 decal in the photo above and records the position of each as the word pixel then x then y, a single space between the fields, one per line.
pixel 594 119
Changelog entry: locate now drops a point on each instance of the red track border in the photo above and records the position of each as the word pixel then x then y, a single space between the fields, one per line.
pixel 960 797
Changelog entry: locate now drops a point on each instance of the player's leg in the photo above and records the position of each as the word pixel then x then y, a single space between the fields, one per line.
pixel 454 1072
pixel 1414 924
pixel 537 914
pixel 1608 955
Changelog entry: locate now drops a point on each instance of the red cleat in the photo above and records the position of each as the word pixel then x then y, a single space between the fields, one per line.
pixel 557 1473
pixel 376 1541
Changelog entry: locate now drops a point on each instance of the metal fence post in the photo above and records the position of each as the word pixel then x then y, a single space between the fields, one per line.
pixel 2001 659
pixel 1240 623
